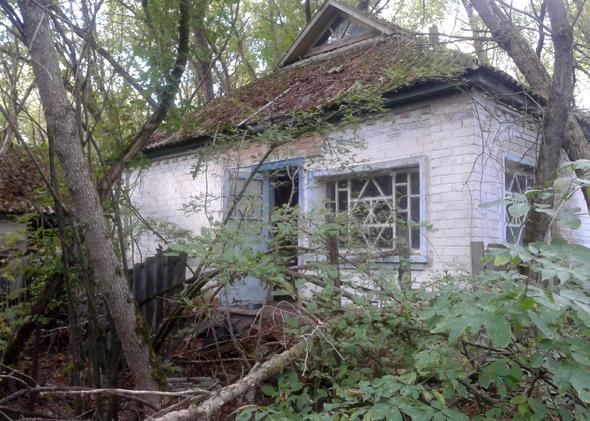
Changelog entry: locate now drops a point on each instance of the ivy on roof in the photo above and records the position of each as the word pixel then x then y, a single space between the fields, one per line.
pixel 376 65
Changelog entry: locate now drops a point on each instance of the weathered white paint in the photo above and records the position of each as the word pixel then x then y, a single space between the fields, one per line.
pixel 460 142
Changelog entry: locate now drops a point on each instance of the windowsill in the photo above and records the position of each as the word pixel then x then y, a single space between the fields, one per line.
pixel 417 263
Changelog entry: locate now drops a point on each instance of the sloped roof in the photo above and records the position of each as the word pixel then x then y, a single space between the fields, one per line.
pixel 18 179
pixel 326 65
pixel 379 65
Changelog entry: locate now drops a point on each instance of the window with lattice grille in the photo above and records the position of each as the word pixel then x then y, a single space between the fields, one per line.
pixel 518 178
pixel 380 207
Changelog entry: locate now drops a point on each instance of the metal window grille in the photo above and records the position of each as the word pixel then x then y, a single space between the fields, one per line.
pixel 380 208
pixel 518 179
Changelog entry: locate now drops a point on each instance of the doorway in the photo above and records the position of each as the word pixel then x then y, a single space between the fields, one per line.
pixel 274 188
pixel 284 184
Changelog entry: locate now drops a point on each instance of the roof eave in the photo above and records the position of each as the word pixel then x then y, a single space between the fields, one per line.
pixel 505 89
pixel 499 87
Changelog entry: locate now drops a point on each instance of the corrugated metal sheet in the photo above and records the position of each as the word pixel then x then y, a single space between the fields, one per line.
pixel 151 280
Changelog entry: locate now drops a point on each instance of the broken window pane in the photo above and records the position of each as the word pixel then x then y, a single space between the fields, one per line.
pixel 340 28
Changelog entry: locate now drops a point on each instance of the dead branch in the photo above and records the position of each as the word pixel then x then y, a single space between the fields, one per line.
pixel 25 413
pixel 267 370
pixel 140 140
pixel 78 390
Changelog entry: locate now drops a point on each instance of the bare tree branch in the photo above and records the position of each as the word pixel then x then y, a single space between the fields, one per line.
pixel 140 140
pixel 87 36
pixel 513 42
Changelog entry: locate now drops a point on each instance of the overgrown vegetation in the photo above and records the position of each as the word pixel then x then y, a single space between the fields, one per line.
pixel 356 338
pixel 511 341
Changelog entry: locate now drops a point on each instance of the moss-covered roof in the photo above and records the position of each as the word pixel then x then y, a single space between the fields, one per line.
pixel 18 179
pixel 378 65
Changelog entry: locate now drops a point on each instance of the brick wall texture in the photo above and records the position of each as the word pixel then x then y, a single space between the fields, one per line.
pixel 461 140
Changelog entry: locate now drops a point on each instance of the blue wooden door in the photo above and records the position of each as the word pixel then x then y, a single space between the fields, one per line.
pixel 251 216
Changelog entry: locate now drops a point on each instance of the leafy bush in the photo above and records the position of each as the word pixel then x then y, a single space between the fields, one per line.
pixel 512 342
pixel 518 350
pixel 502 344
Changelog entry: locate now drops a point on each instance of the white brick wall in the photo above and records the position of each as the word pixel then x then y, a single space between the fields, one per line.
pixel 161 191
pixel 504 134
pixel 462 141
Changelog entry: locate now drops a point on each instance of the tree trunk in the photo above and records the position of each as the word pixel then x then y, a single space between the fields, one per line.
pixel 61 125
pixel 203 64
pixel 307 10
pixel 515 44
pixel 244 57
pixel 480 51
pixel 555 113
pixel 132 149
pixel 363 5
pixel 274 37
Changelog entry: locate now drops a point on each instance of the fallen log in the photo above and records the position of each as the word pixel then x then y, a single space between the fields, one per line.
pixel 216 400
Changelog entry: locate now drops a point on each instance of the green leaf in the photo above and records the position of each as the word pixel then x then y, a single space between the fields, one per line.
pixel 581 382
pixel 502 259
pixel 498 330
pixel 580 253
pixel 499 368
pixel 527 303
pixel 562 184
pixel 542 326
pixel 394 415
pixel 246 414
pixel 518 209
pixel 571 220
pixel 268 390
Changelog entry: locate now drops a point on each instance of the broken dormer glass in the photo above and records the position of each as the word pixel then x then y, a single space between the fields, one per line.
pixel 341 28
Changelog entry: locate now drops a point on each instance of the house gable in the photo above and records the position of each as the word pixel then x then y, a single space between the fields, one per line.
pixel 334 26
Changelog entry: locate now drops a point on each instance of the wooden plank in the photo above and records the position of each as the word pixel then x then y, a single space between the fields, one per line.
pixel 477 253
pixel 138 283
pixel 156 274
pixel 150 288
pixel 339 44
pixel 161 283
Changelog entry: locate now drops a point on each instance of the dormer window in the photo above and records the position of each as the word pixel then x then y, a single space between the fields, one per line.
pixel 334 26
pixel 340 29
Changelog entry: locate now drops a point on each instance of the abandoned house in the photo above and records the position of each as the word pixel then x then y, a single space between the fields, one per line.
pixel 448 136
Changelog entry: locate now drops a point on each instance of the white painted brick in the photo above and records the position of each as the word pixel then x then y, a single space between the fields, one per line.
pixel 464 168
